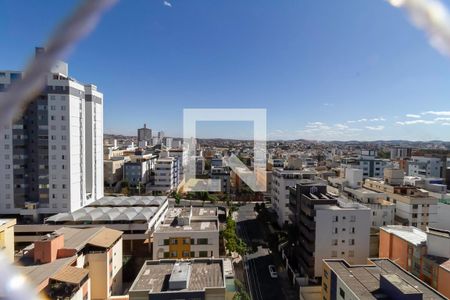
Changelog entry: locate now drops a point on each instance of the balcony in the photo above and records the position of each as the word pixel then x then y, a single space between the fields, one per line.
pixel 310 224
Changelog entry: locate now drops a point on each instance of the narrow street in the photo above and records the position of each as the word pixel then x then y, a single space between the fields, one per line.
pixel 261 285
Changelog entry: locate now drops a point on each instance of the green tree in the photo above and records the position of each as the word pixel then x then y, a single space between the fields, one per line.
pixel 177 197
pixel 233 242
pixel 241 293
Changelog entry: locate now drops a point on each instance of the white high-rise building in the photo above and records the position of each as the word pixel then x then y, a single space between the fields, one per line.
pixel 166 173
pixel 51 156
pixel 281 181
pixel 424 167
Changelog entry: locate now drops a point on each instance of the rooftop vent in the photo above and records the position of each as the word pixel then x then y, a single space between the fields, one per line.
pixel 179 278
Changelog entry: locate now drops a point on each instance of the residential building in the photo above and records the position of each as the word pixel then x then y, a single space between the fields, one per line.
pixel 137 217
pixel 217 161
pixel 382 211
pixel 348 177
pixel 168 142
pixel 328 228
pixel 73 263
pixel 424 254
pixel 413 206
pixel 293 163
pixel 145 134
pixel 113 170
pixel 7 238
pixel 138 171
pixel 199 165
pixel 277 163
pixel 156 141
pixel 398 153
pixel 427 166
pixel 443 214
pixel 379 279
pixel 436 187
pixel 177 144
pixel 222 174
pixel 94 142
pixel 405 245
pixel 281 181
pixel 367 161
pixel 186 279
pixel 187 233
pixel 167 174
pixel 180 156
pixel 52 154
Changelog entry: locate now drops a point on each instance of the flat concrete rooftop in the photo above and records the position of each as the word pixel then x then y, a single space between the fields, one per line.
pixel 364 280
pixel 154 275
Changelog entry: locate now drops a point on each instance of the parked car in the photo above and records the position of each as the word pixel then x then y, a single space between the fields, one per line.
pixel 273 272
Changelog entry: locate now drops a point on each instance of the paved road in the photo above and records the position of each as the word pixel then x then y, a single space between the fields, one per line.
pixel 261 285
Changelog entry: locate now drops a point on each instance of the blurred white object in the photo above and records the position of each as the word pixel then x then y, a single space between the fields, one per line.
pixel 14 285
pixel 433 17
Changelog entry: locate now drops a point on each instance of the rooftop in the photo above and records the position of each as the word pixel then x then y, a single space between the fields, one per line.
pixel 37 274
pixel 71 275
pixel 410 234
pixel 114 209
pixel 154 275
pixel 364 280
pixel 193 226
pixel 77 238
pixel 189 219
pixel 106 214
pixel 130 201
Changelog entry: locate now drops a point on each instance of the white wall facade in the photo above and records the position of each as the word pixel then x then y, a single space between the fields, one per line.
pixel 67 140
pixel 418 215
pixel 281 181
pixel 341 233
pixel 443 216
pixel 425 166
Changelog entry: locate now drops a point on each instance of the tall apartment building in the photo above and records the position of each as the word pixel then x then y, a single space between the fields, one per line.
pixel 222 174
pixel 400 153
pixel 281 181
pixel 328 228
pixel 180 156
pixel 413 206
pixel 52 154
pixel 145 134
pixel 425 166
pixel 187 233
pixel 167 174
pixel 168 142
pixel 199 165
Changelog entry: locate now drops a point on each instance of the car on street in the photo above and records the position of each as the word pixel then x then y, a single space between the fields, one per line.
pixel 272 271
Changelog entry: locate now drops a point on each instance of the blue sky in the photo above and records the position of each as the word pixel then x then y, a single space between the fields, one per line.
pixel 323 69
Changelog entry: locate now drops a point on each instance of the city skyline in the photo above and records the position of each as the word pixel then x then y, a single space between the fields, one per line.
pixel 318 78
